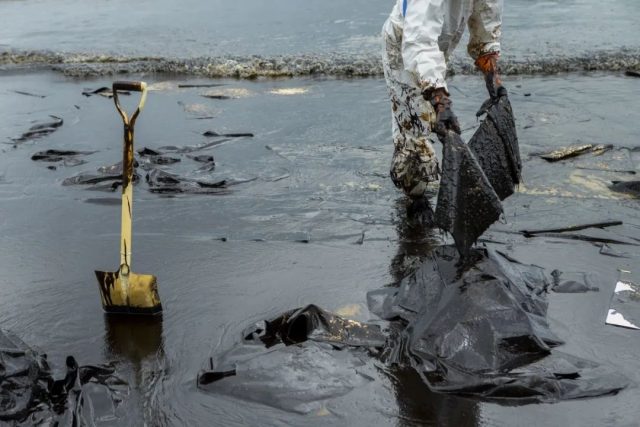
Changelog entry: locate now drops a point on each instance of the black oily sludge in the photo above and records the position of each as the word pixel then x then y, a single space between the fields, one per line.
pixel 163 182
pixel 632 188
pixel 477 331
pixel 29 394
pixel 67 158
pixel 332 64
pixel 39 130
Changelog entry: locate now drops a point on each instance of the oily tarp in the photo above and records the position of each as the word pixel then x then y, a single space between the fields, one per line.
pixel 295 360
pixel 478 330
pixel 495 145
pixel 478 175
pixel 467 204
pixel 29 394
pixel 482 331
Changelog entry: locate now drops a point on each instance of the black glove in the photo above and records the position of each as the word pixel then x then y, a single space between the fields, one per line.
pixel 446 119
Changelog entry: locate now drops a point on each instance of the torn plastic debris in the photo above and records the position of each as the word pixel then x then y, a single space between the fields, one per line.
pixel 294 362
pixel 164 182
pixel 108 178
pixel 624 309
pixel 107 92
pixel 607 250
pixel 210 134
pixel 477 176
pixel 154 157
pixel 207 160
pixel 572 282
pixel 40 130
pixel 192 148
pixel 631 188
pixel 313 323
pixel 482 331
pixel 495 145
pixel 29 395
pixel 579 227
pixel 467 203
pixel 67 158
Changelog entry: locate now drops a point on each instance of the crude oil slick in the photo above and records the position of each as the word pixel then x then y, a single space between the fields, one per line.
pixel 314 185
pixel 315 171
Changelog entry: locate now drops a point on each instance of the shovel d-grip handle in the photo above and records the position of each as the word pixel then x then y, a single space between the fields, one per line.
pixel 133 87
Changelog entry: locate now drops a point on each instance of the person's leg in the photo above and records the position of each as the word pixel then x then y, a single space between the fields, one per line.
pixel 414 164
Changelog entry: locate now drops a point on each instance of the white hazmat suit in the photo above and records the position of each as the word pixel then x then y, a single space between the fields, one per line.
pixel 419 36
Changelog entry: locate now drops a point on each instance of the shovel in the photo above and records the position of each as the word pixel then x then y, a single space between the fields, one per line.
pixel 124 291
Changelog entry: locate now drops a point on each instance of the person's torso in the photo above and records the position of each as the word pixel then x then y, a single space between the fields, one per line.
pixel 456 16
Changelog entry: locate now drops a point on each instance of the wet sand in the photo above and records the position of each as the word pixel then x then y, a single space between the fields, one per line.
pixel 317 172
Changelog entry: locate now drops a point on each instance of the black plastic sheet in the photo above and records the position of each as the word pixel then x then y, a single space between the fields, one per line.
pixel 316 324
pixel 627 187
pixel 478 175
pixel 482 331
pixel 163 182
pixel 495 146
pixel 572 282
pixel 29 394
pixel 467 203
pixel 296 360
pixel 39 130
pixel 478 330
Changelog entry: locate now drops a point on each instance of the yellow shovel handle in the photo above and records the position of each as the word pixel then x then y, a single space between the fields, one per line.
pixel 127 174
pixel 133 87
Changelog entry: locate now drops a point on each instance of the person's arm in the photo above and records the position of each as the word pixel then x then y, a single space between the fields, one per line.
pixel 485 25
pixel 421 54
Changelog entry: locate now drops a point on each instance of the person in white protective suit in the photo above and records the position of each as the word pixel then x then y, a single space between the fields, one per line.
pixel 419 36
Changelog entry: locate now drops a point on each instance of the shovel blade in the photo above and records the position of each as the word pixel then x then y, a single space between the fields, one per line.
pixel 140 298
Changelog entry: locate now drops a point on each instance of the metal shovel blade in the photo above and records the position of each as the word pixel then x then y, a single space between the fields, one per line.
pixel 135 294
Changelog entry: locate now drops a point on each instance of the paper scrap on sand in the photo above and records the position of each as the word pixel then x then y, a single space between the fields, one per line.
pixel 624 310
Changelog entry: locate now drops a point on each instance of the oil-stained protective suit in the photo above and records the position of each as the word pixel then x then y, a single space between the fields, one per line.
pixel 419 36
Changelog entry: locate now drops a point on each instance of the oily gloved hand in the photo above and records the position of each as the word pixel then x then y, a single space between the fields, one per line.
pixel 446 119
pixel 488 64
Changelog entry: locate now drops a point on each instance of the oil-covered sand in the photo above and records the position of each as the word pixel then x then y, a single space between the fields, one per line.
pixel 312 218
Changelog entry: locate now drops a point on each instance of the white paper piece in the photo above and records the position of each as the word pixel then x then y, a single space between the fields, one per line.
pixel 616 319
pixel 624 308
pixel 623 286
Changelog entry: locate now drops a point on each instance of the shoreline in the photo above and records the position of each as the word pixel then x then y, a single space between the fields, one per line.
pixel 249 67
